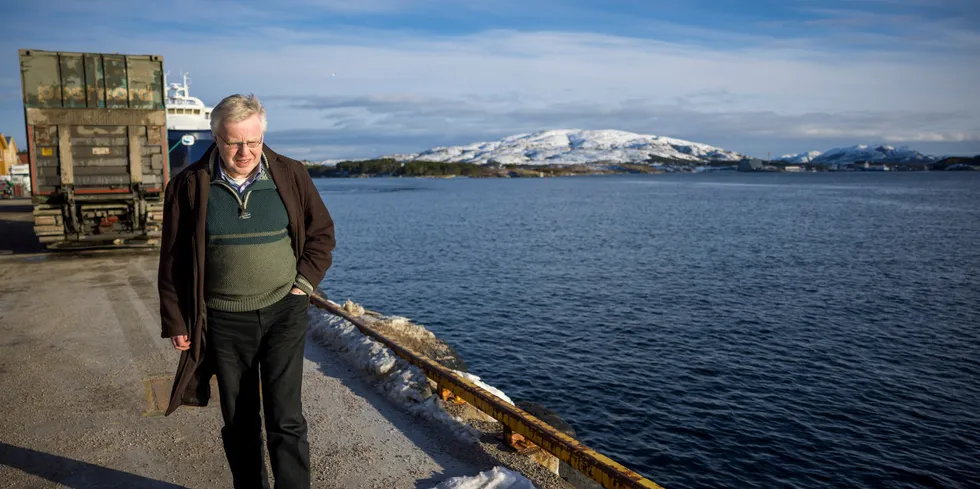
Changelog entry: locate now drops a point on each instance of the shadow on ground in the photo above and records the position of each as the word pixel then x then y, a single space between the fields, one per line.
pixel 17 228
pixel 74 473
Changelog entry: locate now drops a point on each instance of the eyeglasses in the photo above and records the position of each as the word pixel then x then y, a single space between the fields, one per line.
pixel 249 144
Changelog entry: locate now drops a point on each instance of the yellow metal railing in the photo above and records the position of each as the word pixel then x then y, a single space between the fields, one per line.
pixel 517 423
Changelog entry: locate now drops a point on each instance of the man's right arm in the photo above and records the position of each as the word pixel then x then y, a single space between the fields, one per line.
pixel 171 318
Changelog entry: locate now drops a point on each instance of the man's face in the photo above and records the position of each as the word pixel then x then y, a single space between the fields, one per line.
pixel 233 141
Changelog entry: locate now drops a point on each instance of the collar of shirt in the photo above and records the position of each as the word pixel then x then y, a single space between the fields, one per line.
pixel 241 187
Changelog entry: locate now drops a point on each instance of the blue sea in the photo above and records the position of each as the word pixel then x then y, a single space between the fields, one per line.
pixel 706 330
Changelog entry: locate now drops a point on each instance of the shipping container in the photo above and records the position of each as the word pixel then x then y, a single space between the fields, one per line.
pixel 96 136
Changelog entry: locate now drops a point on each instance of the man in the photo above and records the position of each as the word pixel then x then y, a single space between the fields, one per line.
pixel 246 237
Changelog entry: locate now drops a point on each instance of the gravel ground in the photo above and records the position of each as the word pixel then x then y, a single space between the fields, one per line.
pixel 79 354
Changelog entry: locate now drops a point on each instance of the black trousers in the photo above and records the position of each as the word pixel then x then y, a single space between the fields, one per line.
pixel 266 344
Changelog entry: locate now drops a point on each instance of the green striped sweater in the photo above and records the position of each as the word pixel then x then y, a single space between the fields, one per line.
pixel 250 262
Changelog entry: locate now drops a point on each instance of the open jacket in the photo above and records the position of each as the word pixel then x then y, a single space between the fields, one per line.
pixel 182 251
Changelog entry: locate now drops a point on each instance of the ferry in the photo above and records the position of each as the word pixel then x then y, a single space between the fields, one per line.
pixel 188 126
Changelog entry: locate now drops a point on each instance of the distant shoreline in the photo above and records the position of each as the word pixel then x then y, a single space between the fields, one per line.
pixel 391 168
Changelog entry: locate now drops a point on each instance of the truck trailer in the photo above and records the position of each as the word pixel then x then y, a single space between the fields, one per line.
pixel 96 137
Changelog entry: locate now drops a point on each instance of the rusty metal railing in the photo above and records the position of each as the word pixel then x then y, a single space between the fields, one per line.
pixel 516 421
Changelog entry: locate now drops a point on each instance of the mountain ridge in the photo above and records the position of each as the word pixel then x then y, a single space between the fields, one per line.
pixel 875 154
pixel 578 146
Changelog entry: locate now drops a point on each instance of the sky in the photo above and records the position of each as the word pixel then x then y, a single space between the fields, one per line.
pixel 356 79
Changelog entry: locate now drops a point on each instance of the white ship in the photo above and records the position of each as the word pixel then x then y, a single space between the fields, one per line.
pixel 188 125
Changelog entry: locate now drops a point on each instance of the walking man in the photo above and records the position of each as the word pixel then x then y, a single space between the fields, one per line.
pixel 246 237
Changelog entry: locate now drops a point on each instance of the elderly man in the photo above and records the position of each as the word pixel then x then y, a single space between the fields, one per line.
pixel 246 237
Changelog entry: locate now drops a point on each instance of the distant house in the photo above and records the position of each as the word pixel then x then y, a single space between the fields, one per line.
pixel 24 157
pixel 793 168
pixel 867 166
pixel 8 154
pixel 750 164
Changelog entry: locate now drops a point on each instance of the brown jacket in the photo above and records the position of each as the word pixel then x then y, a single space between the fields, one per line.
pixel 182 250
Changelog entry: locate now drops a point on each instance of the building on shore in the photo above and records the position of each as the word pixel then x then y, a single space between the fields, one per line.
pixel 750 164
pixel 15 172
pixel 868 166
pixel 8 154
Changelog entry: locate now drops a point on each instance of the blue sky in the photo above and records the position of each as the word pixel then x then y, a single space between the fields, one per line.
pixel 350 79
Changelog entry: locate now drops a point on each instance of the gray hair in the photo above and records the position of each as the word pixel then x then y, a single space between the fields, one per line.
pixel 236 108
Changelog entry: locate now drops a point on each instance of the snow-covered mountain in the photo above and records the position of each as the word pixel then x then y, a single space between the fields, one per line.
pixel 570 146
pixel 800 157
pixel 877 154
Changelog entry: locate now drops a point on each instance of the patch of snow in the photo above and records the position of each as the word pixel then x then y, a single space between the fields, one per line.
pixel 495 478
pixel 409 329
pixel 800 157
pixel 401 382
pixel 487 387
